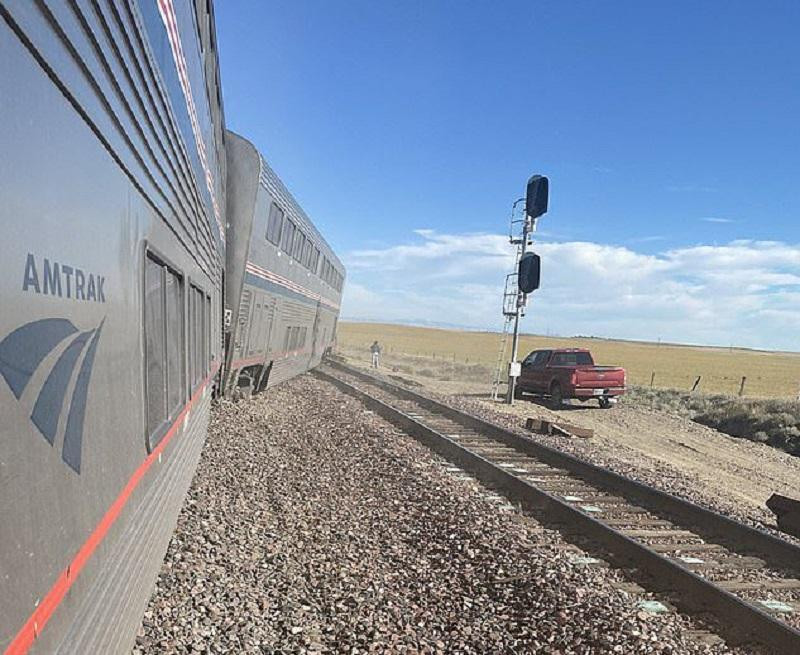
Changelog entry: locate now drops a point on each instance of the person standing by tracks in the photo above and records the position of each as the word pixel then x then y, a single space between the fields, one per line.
pixel 375 349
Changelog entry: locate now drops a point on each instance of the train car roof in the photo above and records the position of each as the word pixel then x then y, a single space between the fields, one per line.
pixel 272 183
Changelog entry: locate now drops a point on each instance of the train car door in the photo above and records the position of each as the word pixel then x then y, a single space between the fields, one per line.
pixel 315 334
pixel 255 343
pixel 261 325
pixel 268 318
pixel 242 329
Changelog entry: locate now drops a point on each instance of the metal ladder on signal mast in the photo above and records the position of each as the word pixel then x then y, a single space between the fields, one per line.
pixel 501 357
pixel 510 297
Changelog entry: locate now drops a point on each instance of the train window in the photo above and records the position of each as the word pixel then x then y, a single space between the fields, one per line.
pixel 286 341
pixel 155 347
pixel 315 260
pixel 297 250
pixel 174 316
pixel 287 238
pixel 209 354
pixel 191 337
pixel 198 337
pixel 204 324
pixel 274 224
pixel 163 335
pixel 307 246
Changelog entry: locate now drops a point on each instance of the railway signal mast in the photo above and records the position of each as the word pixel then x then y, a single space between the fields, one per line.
pixel 528 271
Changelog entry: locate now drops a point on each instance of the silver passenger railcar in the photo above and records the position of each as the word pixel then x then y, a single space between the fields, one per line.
pixel 112 176
pixel 283 282
pixel 124 302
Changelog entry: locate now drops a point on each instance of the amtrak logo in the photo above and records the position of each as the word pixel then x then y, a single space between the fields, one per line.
pixel 22 353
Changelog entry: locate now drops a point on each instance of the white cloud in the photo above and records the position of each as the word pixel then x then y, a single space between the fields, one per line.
pixel 744 292
pixel 716 219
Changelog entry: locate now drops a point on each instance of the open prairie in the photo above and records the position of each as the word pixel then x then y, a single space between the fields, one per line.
pixel 471 356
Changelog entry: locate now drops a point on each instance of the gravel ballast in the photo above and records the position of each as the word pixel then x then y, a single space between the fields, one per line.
pixel 759 464
pixel 312 526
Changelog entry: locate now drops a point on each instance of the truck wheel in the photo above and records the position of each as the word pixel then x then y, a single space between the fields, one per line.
pixel 605 403
pixel 556 396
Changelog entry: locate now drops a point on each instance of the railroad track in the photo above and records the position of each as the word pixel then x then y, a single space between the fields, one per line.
pixel 707 563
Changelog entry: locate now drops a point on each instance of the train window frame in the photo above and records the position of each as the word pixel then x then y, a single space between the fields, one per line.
pixel 209 339
pixel 298 245
pixel 198 348
pixel 287 237
pixel 156 427
pixel 176 401
pixel 275 211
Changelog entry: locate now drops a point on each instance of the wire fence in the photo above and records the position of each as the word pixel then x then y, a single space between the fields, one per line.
pixel 746 384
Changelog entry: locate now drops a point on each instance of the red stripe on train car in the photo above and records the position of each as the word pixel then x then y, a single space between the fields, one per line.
pixel 273 277
pixel 44 611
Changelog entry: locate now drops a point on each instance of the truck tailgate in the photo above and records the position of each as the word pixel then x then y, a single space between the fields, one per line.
pixel 599 377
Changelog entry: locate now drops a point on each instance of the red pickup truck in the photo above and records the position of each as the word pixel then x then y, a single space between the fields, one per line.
pixel 570 373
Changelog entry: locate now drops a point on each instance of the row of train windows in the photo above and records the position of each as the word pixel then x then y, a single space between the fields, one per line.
pixel 295 338
pixel 172 352
pixel 282 232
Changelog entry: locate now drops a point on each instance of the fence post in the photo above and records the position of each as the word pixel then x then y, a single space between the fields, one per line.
pixel 696 383
pixel 741 388
pixel 652 379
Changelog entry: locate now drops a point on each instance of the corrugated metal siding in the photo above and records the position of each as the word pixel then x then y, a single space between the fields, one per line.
pixel 108 620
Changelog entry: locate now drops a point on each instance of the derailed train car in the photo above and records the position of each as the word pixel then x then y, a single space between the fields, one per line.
pixel 283 282
pixel 117 278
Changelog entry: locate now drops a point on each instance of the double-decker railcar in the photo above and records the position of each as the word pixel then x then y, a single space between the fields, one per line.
pixel 117 178
pixel 112 179
pixel 283 282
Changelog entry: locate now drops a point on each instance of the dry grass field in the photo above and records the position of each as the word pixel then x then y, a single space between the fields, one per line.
pixel 455 354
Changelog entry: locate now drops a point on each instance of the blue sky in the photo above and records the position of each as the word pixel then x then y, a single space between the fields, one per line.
pixel 669 132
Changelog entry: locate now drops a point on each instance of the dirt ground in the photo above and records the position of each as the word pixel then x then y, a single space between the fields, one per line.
pixel 745 471
pixel 628 438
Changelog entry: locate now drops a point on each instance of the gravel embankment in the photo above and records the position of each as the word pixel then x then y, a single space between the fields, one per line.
pixel 312 527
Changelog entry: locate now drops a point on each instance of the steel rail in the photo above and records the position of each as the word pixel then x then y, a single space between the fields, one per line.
pixel 739 621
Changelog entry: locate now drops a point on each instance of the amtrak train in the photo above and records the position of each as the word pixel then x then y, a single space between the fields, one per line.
pixel 150 260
